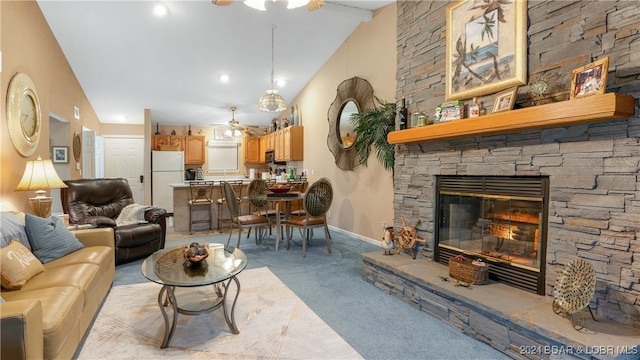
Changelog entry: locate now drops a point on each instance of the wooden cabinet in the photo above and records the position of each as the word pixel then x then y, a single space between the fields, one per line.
pixel 193 146
pixel 194 149
pixel 252 149
pixel 270 141
pixel 278 145
pixel 289 144
pixel 168 142
pixel 263 149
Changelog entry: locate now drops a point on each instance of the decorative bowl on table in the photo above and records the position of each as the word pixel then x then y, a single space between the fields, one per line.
pixel 280 190
pixel 195 252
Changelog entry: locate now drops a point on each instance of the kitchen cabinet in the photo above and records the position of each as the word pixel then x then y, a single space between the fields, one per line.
pixel 289 144
pixel 278 145
pixel 194 149
pixel 252 149
pixel 270 141
pixel 168 142
pixel 263 149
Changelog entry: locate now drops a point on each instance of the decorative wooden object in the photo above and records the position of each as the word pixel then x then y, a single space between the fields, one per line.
pixel 408 238
pixel 573 290
pixel 603 107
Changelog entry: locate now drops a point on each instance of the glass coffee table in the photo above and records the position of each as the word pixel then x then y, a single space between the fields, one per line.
pixel 169 268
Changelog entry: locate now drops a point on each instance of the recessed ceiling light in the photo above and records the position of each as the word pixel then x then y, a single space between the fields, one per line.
pixel 160 10
pixel 281 83
pixel 224 78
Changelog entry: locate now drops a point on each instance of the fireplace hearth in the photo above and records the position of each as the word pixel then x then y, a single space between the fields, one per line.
pixel 499 219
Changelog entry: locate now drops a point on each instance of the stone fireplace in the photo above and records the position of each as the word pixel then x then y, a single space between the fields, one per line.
pixel 592 167
pixel 499 219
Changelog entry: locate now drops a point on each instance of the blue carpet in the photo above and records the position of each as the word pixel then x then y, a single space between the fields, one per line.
pixel 377 325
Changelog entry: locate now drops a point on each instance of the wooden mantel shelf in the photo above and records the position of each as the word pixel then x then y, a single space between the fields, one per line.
pixel 602 107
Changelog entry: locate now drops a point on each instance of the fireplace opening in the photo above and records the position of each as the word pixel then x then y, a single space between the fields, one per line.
pixel 500 219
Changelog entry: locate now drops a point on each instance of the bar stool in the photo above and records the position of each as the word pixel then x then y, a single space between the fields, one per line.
pixel 201 193
pixel 222 201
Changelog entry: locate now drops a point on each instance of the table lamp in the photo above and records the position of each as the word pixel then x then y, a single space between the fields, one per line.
pixel 40 175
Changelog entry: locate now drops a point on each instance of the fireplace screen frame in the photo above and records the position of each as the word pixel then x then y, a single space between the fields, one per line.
pixel 527 278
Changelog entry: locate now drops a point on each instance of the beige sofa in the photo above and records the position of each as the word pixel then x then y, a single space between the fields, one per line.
pixel 48 317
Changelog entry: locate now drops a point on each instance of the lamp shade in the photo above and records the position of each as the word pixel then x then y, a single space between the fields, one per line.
pixel 40 175
pixel 272 102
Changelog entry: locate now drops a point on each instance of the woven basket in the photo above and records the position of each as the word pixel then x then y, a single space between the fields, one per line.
pixel 466 272
pixel 169 147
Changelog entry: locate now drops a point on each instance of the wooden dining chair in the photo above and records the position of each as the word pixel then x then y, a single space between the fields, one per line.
pixel 241 221
pixel 316 202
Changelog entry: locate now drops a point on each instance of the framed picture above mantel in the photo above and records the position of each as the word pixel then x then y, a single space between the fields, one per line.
pixel 486 47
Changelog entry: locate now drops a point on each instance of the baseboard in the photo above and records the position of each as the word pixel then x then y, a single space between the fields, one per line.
pixel 358 236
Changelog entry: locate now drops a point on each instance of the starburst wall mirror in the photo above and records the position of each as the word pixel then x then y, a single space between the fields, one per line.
pixel 353 96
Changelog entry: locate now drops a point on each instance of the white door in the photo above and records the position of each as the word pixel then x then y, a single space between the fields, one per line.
pixel 99 165
pixel 88 153
pixel 124 157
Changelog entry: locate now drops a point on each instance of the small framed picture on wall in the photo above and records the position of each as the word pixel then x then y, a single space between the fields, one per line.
pixel 60 154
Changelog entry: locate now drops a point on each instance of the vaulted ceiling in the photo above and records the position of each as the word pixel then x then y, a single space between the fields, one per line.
pixel 127 59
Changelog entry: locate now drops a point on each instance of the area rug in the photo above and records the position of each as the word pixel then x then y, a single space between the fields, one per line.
pixel 273 323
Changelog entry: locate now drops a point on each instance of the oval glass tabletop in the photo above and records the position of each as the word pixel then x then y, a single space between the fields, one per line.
pixel 169 267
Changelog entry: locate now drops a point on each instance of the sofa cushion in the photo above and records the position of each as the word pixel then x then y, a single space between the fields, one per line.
pixel 80 276
pixel 17 265
pixel 101 256
pixel 12 227
pixel 50 238
pixel 62 308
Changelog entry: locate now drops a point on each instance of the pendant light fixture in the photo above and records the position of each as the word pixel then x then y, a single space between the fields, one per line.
pixel 291 4
pixel 272 102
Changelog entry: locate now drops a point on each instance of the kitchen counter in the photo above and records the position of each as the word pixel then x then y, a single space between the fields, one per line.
pixel 216 182
pixel 181 199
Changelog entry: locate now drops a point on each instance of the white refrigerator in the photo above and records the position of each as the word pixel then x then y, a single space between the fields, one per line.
pixel 167 167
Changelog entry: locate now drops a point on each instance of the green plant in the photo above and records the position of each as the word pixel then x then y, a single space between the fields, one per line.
pixel 371 129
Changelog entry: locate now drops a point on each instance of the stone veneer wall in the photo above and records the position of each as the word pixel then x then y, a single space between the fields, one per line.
pixel 594 168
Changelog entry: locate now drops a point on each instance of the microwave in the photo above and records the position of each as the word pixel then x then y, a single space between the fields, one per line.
pixel 270 158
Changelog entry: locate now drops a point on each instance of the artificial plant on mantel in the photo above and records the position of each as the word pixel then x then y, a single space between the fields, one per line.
pixel 371 129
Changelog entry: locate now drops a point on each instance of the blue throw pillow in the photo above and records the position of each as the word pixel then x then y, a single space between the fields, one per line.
pixel 50 238
pixel 12 227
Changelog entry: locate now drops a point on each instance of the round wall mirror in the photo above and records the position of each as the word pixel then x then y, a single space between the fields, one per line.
pixel 353 96
pixel 345 133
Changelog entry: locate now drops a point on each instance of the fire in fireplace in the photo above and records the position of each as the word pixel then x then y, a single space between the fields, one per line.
pixel 500 219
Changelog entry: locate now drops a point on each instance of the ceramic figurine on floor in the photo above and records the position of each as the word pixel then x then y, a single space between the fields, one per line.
pixel 387 240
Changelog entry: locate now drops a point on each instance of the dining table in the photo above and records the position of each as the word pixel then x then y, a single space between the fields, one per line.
pixel 285 197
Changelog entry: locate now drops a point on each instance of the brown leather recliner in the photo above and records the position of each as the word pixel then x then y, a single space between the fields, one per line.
pixel 99 202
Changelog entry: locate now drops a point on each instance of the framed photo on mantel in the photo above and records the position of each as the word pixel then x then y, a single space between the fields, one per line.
pixel 486 47
pixel 590 79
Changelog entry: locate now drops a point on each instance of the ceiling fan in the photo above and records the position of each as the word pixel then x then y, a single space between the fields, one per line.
pixel 311 5
pixel 234 128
